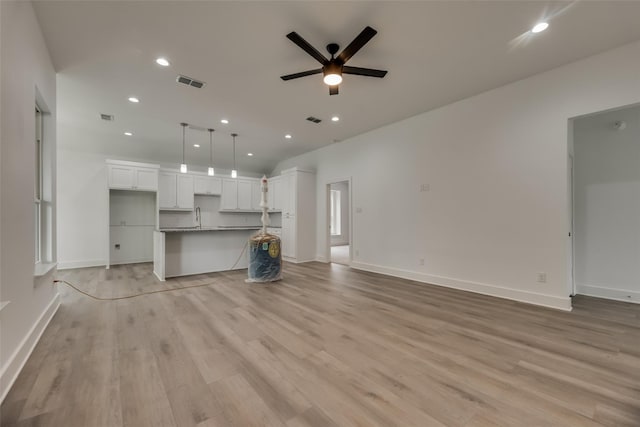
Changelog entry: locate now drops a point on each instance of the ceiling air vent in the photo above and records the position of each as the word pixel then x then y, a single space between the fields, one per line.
pixel 107 117
pixel 314 119
pixel 190 82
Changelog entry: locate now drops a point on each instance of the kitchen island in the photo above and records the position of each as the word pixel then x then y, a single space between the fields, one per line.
pixel 195 250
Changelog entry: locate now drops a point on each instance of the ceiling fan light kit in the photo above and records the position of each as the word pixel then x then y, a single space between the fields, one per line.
pixel 333 68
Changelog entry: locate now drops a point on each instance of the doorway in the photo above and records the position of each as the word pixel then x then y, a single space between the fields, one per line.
pixel 606 204
pixel 338 235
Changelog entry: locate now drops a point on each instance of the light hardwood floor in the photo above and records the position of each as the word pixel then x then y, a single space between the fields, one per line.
pixel 327 346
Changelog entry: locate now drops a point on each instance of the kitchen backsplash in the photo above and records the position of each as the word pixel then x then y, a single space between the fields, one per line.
pixel 211 217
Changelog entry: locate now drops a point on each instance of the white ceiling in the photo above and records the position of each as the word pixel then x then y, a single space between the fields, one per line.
pixel 435 52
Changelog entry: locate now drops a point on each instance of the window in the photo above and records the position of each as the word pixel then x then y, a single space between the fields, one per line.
pixel 38 188
pixel 335 213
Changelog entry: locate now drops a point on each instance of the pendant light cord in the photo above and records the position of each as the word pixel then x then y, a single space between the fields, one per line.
pixel 234 151
pixel 184 125
pixel 211 147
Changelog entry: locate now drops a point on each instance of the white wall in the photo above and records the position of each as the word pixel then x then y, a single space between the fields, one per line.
pixel 343 237
pixel 496 164
pixel 27 74
pixel 82 209
pixel 607 205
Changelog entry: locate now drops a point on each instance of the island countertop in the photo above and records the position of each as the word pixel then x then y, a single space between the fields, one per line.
pixel 222 228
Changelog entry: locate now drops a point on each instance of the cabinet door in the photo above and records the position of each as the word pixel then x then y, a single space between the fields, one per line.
pixel 121 177
pixel 167 191
pixel 201 185
pixel 289 194
pixel 244 195
pixel 277 190
pixel 229 194
pixel 256 195
pixel 215 186
pixel 288 236
pixel 270 195
pixel 185 191
pixel 146 179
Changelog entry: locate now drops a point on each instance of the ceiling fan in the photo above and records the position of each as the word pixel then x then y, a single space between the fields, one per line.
pixel 334 68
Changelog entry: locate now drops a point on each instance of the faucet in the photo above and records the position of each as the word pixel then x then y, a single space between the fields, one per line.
pixel 198 217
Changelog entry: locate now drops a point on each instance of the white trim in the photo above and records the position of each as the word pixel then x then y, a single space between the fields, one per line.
pixel 321 258
pixel 66 265
pixel 295 260
pixel 133 261
pixel 551 301
pixel 129 163
pixel 608 293
pixel 42 269
pixel 16 362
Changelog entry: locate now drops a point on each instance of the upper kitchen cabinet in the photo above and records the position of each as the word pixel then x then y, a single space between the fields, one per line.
pixel 175 191
pixel 123 175
pixel 207 185
pixel 275 194
pixel 239 194
pixel 256 195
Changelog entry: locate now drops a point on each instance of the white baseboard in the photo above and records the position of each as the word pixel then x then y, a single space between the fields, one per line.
pixel 321 258
pixel 66 265
pixel 608 293
pixel 20 356
pixel 132 261
pixel 559 303
pixel 297 261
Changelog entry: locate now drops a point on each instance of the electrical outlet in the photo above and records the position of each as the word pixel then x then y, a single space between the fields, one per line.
pixel 425 187
pixel 421 261
pixel 542 277
pixel 358 210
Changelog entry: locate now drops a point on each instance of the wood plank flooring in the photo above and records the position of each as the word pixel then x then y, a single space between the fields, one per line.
pixel 327 346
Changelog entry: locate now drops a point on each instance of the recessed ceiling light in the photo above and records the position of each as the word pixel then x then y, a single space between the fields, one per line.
pixel 134 100
pixel 335 119
pixel 128 133
pixel 249 154
pixel 539 27
pixel 224 121
pixel 163 62
pixel 196 145
pixel 287 136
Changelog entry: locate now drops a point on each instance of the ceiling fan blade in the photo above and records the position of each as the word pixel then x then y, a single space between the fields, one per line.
pixel 304 45
pixel 333 90
pixel 357 44
pixel 370 72
pixel 302 74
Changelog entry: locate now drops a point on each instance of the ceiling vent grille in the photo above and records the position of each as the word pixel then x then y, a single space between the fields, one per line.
pixel 190 82
pixel 107 117
pixel 314 119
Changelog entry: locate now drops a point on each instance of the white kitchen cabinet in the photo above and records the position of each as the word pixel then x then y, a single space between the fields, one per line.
pixel 275 194
pixel 256 195
pixel 229 194
pixel 175 191
pixel 238 194
pixel 132 176
pixel 298 215
pixel 244 195
pixel 207 185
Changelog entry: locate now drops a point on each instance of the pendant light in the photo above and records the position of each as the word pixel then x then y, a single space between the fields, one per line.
pixel 183 165
pixel 234 171
pixel 210 171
